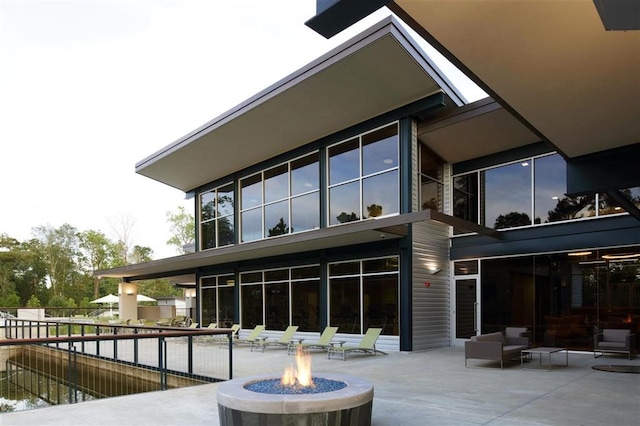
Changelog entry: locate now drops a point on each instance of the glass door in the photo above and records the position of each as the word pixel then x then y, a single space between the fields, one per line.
pixel 467 308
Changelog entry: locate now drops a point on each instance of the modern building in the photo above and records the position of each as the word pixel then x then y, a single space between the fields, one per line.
pixel 364 191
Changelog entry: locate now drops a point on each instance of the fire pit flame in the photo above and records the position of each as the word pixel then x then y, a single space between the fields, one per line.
pixel 299 376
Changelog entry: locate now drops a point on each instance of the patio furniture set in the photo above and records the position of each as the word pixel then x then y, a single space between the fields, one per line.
pixel 514 343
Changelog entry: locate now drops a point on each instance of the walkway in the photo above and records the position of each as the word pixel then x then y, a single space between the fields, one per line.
pixel 420 388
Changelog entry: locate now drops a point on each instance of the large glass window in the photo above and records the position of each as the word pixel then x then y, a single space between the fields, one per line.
pixel 550 185
pixel 430 177
pixel 217 301
pixel 563 298
pixel 281 200
pixel 363 172
pixel 216 217
pixel 507 195
pixel 528 192
pixel 364 294
pixel 278 298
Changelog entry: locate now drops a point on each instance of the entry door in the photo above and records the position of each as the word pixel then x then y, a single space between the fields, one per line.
pixel 467 309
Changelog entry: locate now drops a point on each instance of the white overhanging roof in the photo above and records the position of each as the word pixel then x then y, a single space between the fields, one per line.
pixel 377 71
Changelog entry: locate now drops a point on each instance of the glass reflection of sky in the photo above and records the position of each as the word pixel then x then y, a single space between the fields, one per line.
pixel 507 190
pixel 550 182
pixel 344 166
pixel 251 194
pixel 276 187
pixel 305 212
pixel 252 225
pixel 344 199
pixel 305 179
pixel 381 190
pixel 380 155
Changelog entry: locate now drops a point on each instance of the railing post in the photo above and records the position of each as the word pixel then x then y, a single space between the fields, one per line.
pixel 115 344
pixel 72 374
pixel 135 351
pixel 98 341
pixel 190 354
pixel 162 362
pixel 230 356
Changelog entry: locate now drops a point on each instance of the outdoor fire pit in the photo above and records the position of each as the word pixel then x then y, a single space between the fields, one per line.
pixel 297 398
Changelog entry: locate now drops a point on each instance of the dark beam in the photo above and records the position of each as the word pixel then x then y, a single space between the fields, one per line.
pixel 604 171
pixel 333 16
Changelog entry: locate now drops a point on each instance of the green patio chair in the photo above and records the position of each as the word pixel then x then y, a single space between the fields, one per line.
pixel 323 343
pixel 285 340
pixel 235 328
pixel 253 337
pixel 367 345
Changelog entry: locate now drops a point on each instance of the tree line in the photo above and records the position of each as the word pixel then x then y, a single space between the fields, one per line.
pixel 55 267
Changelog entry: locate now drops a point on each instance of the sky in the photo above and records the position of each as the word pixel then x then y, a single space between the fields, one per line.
pixel 90 88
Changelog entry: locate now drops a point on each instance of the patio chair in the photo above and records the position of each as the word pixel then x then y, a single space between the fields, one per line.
pixel 367 345
pixel 253 337
pixel 204 339
pixel 619 341
pixel 322 343
pixel 235 328
pixel 283 341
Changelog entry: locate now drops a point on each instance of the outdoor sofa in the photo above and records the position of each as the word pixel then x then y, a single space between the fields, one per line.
pixel 497 346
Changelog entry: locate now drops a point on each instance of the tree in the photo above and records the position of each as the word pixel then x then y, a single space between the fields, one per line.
pixel 512 219
pixel 97 251
pixel 347 217
pixel 8 266
pixel 572 207
pixel 280 228
pixel 33 302
pixel 374 210
pixel 182 227
pixel 59 249
pixel 141 254
pixel 124 228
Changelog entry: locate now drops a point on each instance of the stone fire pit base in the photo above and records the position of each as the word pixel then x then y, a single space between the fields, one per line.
pixel 350 406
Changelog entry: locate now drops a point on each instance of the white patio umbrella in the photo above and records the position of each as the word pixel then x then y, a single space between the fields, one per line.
pixel 143 298
pixel 110 299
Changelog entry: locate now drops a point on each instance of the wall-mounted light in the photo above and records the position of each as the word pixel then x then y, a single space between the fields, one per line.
pixel 433 270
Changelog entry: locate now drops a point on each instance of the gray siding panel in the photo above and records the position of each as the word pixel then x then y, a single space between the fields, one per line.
pixel 431 302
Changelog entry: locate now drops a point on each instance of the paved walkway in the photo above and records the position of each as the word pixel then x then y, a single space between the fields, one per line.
pixel 419 388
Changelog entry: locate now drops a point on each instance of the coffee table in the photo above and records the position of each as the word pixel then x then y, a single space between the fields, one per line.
pixel 543 351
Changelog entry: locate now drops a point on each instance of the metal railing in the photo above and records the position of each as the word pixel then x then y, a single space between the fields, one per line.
pixel 54 362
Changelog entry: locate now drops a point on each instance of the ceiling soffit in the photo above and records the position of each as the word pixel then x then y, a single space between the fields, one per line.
pixel 474 131
pixel 551 62
pixel 376 72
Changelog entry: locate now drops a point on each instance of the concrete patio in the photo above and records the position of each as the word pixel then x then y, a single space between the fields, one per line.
pixel 419 388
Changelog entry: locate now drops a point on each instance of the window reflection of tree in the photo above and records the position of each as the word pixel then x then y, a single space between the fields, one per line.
pixel 374 210
pixel 572 208
pixel 280 228
pixel 511 220
pixel 347 217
